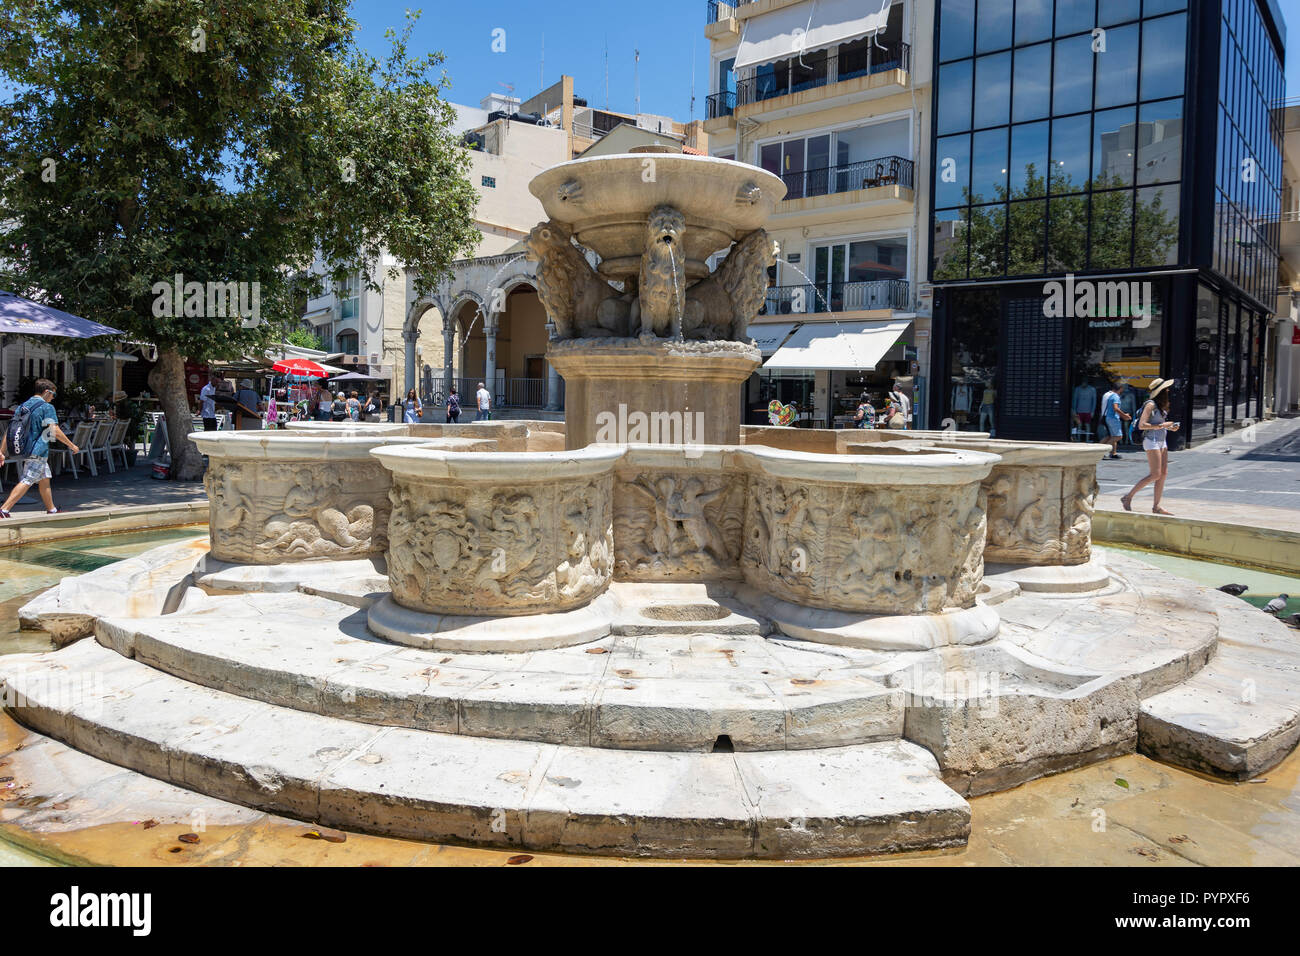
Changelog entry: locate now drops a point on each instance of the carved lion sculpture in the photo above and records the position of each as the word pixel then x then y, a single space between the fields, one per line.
pixel 577 300
pixel 663 273
pixel 720 305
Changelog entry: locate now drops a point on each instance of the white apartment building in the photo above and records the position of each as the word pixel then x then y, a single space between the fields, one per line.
pixel 833 96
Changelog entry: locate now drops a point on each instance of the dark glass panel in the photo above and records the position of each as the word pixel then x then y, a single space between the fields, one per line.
pixel 1164 45
pixel 988 238
pixel 1112 148
pixel 1117 68
pixel 1027 238
pixel 1032 97
pixel 993 28
pixel 1155 233
pixel 1072 78
pixel 1160 142
pixel 956 29
pixel 1067 234
pixel 1069 157
pixel 1033 20
pixel 954 97
pixel 992 90
pixel 952 169
pixel 1111 243
pixel 949 247
pixel 1028 169
pixel 989 166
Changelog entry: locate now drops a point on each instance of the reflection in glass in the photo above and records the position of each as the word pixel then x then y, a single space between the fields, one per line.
pixel 1072 79
pixel 954 97
pixel 1110 246
pixel 1067 234
pixel 1205 364
pixel 952 170
pixel 1155 236
pixel 1164 43
pixel 949 245
pixel 1112 148
pixel 989 166
pixel 1117 11
pixel 1072 16
pixel 1028 170
pixel 993 83
pixel 988 240
pixel 1033 71
pixel 1117 68
pixel 973 381
pixel 1069 156
pixel 1033 20
pixel 956 29
pixel 1027 238
pixel 993 29
pixel 1160 142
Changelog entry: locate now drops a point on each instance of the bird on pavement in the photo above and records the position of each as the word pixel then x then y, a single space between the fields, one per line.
pixel 1293 620
pixel 1277 605
pixel 1237 590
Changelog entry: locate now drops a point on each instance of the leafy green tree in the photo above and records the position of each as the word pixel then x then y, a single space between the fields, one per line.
pixel 303 338
pixel 1017 239
pixel 222 141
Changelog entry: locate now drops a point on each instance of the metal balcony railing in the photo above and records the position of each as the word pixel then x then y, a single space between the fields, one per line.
pixel 807 72
pixel 719 104
pixel 837 297
pixel 866 174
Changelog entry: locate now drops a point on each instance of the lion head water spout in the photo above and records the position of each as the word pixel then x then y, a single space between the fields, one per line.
pixel 671 336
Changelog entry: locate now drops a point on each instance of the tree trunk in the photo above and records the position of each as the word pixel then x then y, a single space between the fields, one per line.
pixel 167 380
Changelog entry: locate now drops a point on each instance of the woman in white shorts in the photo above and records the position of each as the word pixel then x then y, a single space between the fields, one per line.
pixel 1155 427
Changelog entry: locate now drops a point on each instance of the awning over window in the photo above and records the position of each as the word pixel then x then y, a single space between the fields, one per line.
pixel 806 27
pixel 839 345
pixel 770 336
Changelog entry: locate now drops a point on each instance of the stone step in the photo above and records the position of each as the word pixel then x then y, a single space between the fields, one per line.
pixel 1239 715
pixel 864 799
pixel 659 692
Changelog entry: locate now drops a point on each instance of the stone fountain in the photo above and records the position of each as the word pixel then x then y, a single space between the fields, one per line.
pixel 613 637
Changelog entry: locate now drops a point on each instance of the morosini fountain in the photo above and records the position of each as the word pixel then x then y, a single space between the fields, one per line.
pixel 721 642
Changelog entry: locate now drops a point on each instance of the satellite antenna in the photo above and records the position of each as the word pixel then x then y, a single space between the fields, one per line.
pixel 636 79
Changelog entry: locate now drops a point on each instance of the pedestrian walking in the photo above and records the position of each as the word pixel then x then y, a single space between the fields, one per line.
pixel 484 404
pixel 354 407
pixel 339 410
pixel 412 410
pixel 34 425
pixel 208 403
pixel 1112 416
pixel 373 406
pixel 453 407
pixel 1155 427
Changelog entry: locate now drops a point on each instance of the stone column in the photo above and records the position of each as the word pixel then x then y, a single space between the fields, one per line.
pixel 448 357
pixel 410 336
pixel 552 376
pixel 490 360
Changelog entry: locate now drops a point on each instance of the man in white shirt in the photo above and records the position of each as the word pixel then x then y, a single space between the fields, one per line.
pixel 208 404
pixel 484 404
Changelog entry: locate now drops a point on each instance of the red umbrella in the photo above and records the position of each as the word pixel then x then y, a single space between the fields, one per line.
pixel 301 366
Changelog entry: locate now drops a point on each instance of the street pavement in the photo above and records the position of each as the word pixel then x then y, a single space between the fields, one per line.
pixel 1249 476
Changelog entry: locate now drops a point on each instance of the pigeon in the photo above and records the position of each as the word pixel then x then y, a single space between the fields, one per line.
pixel 1277 605
pixel 1236 590
pixel 1293 620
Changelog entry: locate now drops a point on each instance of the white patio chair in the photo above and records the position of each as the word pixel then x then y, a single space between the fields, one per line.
pixel 99 444
pixel 117 443
pixel 81 437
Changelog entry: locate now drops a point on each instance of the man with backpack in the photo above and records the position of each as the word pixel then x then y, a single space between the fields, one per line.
pixel 34 425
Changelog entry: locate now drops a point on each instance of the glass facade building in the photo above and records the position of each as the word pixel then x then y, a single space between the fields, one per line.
pixel 1084 231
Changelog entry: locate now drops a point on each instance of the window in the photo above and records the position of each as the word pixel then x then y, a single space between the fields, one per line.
pixel 489 182
pixel 349 297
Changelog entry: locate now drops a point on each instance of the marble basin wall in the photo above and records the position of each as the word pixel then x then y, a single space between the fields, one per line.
pixel 501 534
pixel 516 534
pixel 277 496
pixel 1041 497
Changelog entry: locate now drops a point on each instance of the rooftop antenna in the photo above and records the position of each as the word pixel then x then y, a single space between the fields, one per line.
pixel 692 79
pixel 607 72
pixel 636 79
pixel 541 70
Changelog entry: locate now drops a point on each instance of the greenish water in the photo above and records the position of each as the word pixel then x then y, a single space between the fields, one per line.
pixel 1262 585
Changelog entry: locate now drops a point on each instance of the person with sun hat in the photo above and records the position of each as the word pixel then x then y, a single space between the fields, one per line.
pixel 1155 427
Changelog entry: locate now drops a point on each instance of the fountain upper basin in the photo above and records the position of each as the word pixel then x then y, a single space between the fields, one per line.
pixel 606 200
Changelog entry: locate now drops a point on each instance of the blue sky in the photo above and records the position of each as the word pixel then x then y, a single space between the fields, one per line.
pixel 576 32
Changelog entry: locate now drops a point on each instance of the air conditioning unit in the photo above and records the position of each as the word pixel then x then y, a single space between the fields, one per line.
pixel 374 358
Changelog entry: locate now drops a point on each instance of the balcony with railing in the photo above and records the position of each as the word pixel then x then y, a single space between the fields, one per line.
pixel 866 174
pixel 719 104
pixel 812 70
pixel 838 297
